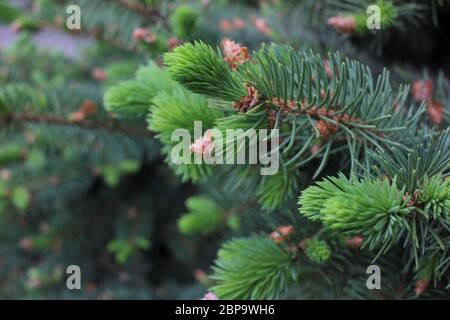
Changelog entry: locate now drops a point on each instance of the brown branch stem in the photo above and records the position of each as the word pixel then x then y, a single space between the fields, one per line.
pixel 112 126
pixel 152 14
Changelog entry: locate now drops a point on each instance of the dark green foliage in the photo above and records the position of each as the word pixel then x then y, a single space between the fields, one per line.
pixel 427 156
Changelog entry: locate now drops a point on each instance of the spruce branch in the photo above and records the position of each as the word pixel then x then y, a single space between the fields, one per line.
pixel 91 33
pixel 203 217
pixel 253 268
pixel 203 70
pixel 133 98
pixel 342 105
pixel 376 210
pixel 393 14
pixel 275 190
pixel 180 109
pixel 434 198
pixel 384 215
pixel 152 14
pixel 426 156
pixel 106 21
pixel 112 126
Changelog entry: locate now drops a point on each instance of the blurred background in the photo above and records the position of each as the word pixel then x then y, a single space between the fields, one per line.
pixel 80 186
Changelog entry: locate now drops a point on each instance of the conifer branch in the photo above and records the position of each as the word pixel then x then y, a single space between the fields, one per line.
pixel 340 103
pixel 152 14
pixel 94 34
pixel 113 126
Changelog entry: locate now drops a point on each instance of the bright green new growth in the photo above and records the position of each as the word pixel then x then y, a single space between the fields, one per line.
pixel 202 69
pixel 10 153
pixel 129 99
pixel 318 251
pixel 179 110
pixel 112 173
pixel 183 21
pixel 123 249
pixel 390 13
pixel 253 268
pixel 20 198
pixel 388 16
pixel 434 196
pixel 132 98
pixel 373 209
pixel 166 106
pixel 155 78
pixel 202 218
